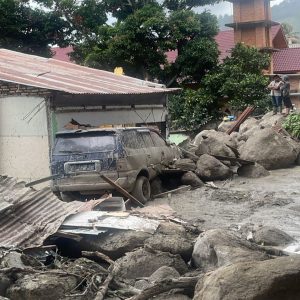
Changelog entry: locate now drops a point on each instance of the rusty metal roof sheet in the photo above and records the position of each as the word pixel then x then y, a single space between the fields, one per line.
pixel 66 77
pixel 28 217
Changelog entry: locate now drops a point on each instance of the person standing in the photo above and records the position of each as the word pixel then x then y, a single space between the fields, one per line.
pixel 274 87
pixel 285 93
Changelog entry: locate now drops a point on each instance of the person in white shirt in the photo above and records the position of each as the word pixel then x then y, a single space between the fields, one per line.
pixel 274 87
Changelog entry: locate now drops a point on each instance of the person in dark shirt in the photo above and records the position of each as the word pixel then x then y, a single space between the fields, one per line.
pixel 285 93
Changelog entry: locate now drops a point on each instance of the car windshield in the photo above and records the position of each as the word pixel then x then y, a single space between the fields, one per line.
pixel 84 143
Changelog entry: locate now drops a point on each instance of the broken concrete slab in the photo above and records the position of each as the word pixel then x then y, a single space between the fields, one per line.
pixel 274 279
pixel 185 164
pixel 163 273
pixel 219 247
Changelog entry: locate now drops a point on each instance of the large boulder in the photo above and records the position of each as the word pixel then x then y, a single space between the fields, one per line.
pixel 248 124
pixel 221 137
pixel 42 286
pixel 252 171
pixel 270 236
pixel 226 125
pixel 269 120
pixel 274 279
pixel 115 244
pixel 185 164
pixel 212 146
pixel 190 178
pixel 209 168
pixel 174 243
pixel 143 263
pixel 270 149
pixel 219 247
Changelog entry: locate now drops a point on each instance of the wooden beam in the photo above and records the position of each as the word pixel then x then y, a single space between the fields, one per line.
pixel 121 190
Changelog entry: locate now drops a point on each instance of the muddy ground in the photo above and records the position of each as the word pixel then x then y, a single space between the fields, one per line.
pixel 271 201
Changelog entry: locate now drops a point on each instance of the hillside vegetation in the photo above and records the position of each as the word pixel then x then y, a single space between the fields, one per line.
pixel 285 12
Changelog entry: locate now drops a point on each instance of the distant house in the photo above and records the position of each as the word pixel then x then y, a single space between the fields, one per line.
pixel 40 96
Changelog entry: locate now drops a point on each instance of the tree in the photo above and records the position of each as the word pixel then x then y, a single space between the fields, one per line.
pixel 239 80
pixel 143 34
pixel 29 30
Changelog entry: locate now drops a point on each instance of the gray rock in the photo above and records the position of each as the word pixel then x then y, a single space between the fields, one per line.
pixel 274 279
pixel 164 273
pixel 224 126
pixel 185 164
pixel 252 171
pixel 115 244
pixel 271 236
pixel 142 284
pixel 219 247
pixel 5 282
pixel 190 178
pixel 209 168
pixel 269 120
pixel 248 124
pixel 143 263
pixel 172 243
pixel 212 146
pixel 46 286
pixel 270 149
pixel 221 137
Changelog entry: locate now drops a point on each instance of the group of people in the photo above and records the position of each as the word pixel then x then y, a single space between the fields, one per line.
pixel 280 92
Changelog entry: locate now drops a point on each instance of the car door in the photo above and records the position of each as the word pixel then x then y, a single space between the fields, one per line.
pixel 153 156
pixel 165 152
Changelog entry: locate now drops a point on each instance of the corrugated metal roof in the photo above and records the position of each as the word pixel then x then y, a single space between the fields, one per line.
pixel 62 76
pixel 287 60
pixel 28 217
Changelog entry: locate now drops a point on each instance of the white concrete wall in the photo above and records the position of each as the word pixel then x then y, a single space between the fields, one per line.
pixel 24 146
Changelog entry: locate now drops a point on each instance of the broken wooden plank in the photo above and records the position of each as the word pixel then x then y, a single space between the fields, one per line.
pixel 241 119
pixel 121 190
pixel 234 159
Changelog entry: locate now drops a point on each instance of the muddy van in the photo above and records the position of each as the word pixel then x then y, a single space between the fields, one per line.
pixel 131 157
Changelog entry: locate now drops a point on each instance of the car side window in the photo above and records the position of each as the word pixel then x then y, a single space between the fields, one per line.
pixel 157 140
pixel 132 140
pixel 147 139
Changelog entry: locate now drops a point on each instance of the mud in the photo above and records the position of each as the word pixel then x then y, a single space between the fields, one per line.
pixel 269 201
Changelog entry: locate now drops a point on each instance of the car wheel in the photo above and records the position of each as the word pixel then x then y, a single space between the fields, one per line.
pixel 142 189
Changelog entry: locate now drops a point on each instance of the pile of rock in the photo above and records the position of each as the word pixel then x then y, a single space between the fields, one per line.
pixel 261 141
pixel 174 263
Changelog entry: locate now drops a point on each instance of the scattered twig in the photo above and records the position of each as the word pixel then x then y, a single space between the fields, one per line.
pixel 99 255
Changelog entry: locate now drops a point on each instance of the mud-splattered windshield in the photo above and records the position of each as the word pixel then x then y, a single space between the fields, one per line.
pixel 84 143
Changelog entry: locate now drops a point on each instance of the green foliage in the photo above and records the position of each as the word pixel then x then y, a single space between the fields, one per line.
pixel 292 125
pixel 187 4
pixel 240 78
pixel 29 30
pixel 192 109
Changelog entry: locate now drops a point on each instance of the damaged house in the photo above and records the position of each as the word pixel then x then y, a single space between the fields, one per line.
pixel 40 96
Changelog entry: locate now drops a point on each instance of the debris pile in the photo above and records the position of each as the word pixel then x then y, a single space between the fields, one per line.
pixel 137 254
pixel 260 145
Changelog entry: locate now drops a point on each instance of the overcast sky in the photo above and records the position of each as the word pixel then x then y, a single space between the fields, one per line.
pixel 226 7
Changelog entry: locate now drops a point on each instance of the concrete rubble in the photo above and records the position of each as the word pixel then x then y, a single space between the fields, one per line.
pixel 55 250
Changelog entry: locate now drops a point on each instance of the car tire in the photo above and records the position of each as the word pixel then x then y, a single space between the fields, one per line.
pixel 142 189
